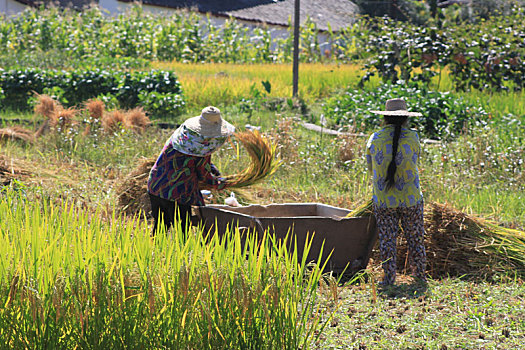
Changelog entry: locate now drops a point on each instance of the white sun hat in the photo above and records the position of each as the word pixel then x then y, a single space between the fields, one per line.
pixel 397 107
pixel 210 124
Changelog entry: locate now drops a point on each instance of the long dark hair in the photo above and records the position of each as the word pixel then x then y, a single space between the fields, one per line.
pixel 397 121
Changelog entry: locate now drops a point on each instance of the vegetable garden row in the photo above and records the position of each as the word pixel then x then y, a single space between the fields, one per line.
pixel 487 54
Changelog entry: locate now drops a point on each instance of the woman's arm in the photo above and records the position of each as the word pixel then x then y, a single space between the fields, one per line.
pixel 205 172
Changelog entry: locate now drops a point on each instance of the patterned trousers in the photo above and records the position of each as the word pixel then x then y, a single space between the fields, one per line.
pixel 411 219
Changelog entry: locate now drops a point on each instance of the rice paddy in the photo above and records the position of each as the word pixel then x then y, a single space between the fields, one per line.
pixel 82 275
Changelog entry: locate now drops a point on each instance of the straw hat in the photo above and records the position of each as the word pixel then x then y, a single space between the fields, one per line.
pixel 397 107
pixel 210 123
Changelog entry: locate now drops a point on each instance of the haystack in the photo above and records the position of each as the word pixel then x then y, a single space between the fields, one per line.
pixel 458 244
pixel 46 107
pixel 17 133
pixel 63 118
pixel 96 109
pixel 133 196
pixel 113 121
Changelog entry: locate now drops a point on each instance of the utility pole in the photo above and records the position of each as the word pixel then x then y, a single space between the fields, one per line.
pixel 296 24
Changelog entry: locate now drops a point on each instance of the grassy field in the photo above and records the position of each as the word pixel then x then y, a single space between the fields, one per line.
pixel 226 84
pixel 478 173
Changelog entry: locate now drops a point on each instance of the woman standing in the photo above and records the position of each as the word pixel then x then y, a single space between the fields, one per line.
pixel 392 155
pixel 185 160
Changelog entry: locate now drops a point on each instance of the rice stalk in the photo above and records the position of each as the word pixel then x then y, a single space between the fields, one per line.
pixel 113 121
pixel 46 106
pixel 264 160
pixel 96 108
pixel 459 244
pixel 63 118
pixel 133 196
pixel 132 192
pixel 17 133
pixel 136 120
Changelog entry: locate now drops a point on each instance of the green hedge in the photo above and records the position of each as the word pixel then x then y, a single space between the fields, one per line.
pixel 445 114
pixel 131 89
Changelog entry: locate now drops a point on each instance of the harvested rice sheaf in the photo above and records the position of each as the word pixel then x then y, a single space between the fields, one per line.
pixel 136 120
pixel 46 106
pixel 17 133
pixel 458 244
pixel 95 108
pixel 264 160
pixel 113 121
pixel 63 118
pixel 132 194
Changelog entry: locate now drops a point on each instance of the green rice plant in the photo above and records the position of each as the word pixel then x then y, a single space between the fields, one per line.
pixel 73 278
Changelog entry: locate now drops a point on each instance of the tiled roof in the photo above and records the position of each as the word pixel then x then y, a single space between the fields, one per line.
pixel 77 4
pixel 337 13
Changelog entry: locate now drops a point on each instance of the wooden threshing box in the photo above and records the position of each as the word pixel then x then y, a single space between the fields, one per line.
pixel 349 239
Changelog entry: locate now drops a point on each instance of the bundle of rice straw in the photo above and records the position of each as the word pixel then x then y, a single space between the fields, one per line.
pixel 264 160
pixel 96 110
pixel 458 244
pixel 17 133
pixel 45 107
pixel 63 118
pixel 113 121
pixel 132 194
pixel 136 120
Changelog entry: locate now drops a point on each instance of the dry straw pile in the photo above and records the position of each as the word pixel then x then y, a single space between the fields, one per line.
pixel 17 133
pixel 58 118
pixel 458 244
pixel 10 170
pixel 132 193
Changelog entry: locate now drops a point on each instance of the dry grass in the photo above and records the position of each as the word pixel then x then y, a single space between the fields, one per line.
pixel 136 120
pixel 96 108
pixel 113 121
pixel 17 133
pixel 63 118
pixel 285 137
pixel 11 169
pixel 133 192
pixel 458 244
pixel 346 144
pixel 46 106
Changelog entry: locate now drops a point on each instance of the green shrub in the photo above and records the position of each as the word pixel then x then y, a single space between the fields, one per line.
pixel 484 56
pixel 159 90
pixel 161 105
pixel 445 114
pixel 2 96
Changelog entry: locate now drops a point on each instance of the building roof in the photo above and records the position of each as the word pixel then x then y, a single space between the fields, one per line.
pixel 336 13
pixel 76 4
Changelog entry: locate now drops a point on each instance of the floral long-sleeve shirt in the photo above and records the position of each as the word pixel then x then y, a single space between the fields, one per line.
pixel 406 192
pixel 176 176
